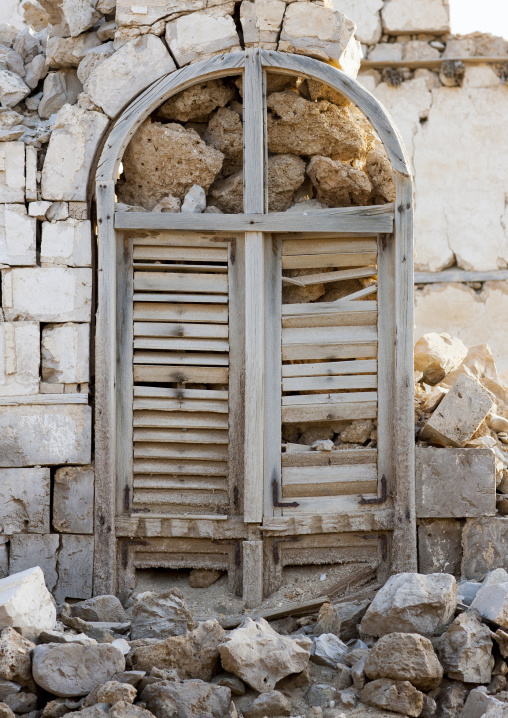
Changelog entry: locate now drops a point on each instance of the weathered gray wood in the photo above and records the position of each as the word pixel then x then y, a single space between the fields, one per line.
pixel 329 351
pixel 207 298
pixel 180 329
pixel 336 307
pixel 169 312
pixel 174 344
pixel 338 505
pixel 371 289
pixel 178 239
pixel 169 393
pixel 164 282
pixel 340 318
pixel 330 368
pixel 345 398
pixel 318 244
pixel 181 374
pixel 158 450
pixel 252 573
pixel 301 413
pixel 48 399
pixel 330 383
pixel 369 105
pixel 180 254
pixel 404 534
pixel 365 220
pixel 124 377
pixel 177 467
pixel 254 134
pixel 180 267
pixel 105 395
pixel 342 259
pixel 326 277
pixel 181 359
pixel 198 405
pixel 180 420
pixel 360 518
pixel 329 335
pixel 460 275
pixel 338 457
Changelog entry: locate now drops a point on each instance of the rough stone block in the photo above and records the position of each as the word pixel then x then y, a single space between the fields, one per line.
pixel 412 16
pixel 484 546
pixel 71 152
pixel 458 483
pixel 17 235
pixel 75 567
pixel 129 15
pixel 191 37
pixel 69 51
pixel 65 353
pixel 12 172
pixel 24 501
pixel 73 495
pixel 47 294
pixel 122 76
pixel 68 243
pixel 459 414
pixel 19 358
pixel 436 355
pixel 27 550
pixel 365 13
pixel 31 172
pixel 31 435
pixel 320 32
pixel 25 604
pixel 261 21
pixel 440 546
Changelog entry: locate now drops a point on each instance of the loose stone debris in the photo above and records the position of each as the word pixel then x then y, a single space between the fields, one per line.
pixel 187 667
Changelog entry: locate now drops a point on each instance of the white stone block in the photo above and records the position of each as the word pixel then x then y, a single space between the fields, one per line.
pixel 12 172
pixel 116 81
pixel 12 89
pixel 24 501
pixel 261 21
pixel 31 435
pixel 386 52
pixel 365 13
pixel 39 209
pixel 17 236
pixel 146 12
pixel 71 152
pixel 68 243
pixel 19 358
pixel 75 567
pixel 65 353
pixel 48 294
pixel 26 604
pixel 31 172
pixel 191 37
pixel 412 16
pixel 27 550
pixel 73 500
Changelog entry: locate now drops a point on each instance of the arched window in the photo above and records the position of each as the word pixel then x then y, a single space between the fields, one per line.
pixel 218 359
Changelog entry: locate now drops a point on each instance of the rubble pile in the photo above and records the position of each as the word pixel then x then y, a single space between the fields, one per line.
pixel 424 646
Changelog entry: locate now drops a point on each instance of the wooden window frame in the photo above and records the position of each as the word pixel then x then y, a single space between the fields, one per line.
pixel 393 223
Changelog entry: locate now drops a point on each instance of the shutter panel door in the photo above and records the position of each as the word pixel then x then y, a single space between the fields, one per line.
pixel 180 372
pixel 329 369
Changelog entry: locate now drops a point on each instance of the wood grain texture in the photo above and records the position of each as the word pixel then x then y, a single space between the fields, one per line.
pixel 302 413
pixel 366 366
pixel 330 383
pixel 319 244
pixel 343 259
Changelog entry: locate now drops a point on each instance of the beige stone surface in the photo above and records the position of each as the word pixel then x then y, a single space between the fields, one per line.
pixel 75 569
pixel 320 32
pixel 397 696
pixel 28 550
pixel 436 355
pixel 71 152
pixel 93 58
pixel 65 353
pixel 69 51
pixel 73 500
pixel 261 21
pixel 130 15
pixel 17 236
pixel 24 500
pixel 439 546
pixel 166 159
pixel 67 243
pixel 485 546
pixel 12 172
pixel 31 435
pixel 380 173
pixel 412 16
pixel 465 649
pixel 201 34
pixel 26 604
pixel 337 183
pixel 365 14
pixel 405 657
pixel 116 81
pixel 47 294
pixel 197 102
pixel 19 358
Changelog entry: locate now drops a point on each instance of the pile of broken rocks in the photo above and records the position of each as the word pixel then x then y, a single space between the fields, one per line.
pixel 424 646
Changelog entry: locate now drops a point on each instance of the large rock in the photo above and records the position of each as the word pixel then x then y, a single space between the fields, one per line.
pixel 189 699
pixel 12 89
pixel 27 550
pixel 71 152
pixel 73 500
pixel 328 650
pixel 75 567
pixel 160 615
pixel 479 702
pixel 440 546
pixel 485 546
pixel 465 649
pixel 130 15
pixel 79 15
pixel 25 500
pixel 491 602
pixel 69 51
pixel 20 358
pixel 261 22
pixel 166 159
pixel 65 353
pixel 260 656
pixel 396 696
pixel 16 658
pixel 365 14
pixel 405 657
pixel 225 133
pixel 427 16
pixel 99 608
pixel 268 704
pixel 412 603
pixel 337 183
pixel 12 182
pixel 67 243
pixel 201 34
pixel 193 655
pixel 317 31
pixel 17 235
pixel 459 414
pixel 60 88
pixel 436 355
pixel 26 604
pixel 86 667
pixel 197 102
pixel 298 126
pixel 117 80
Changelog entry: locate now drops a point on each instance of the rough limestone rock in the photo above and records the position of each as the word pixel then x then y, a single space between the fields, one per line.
pixel 405 657
pixel 160 615
pixel 328 620
pixel 16 658
pixel 436 355
pixel 261 22
pixel 203 577
pixel 26 604
pixel 311 29
pixel 297 126
pixel 194 201
pixel 380 173
pixel 127 710
pixel 166 159
pixel 429 16
pixel 113 691
pixel 412 603
pixel 69 51
pixel 396 696
pixel 65 350
pixel 192 699
pixel 465 649
pixel 337 183
pixel 491 602
pixel 268 704
pixel 197 102
pixel 193 655
pixel 79 15
pixel 127 72
pixel 328 650
pixel 60 88
pixel 260 656
pixel 86 667
pixel 73 502
pixel 459 414
pixel 99 608
pixel 192 37
pixel 286 174
pixel 225 133
pixel 12 88
pixel 70 154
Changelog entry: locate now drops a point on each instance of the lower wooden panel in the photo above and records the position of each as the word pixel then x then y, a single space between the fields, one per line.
pixel 303 413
